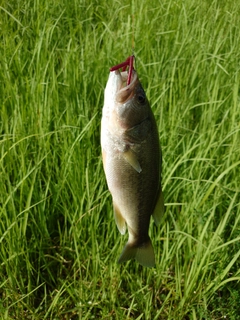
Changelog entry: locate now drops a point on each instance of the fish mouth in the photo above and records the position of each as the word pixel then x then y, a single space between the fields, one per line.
pixel 125 91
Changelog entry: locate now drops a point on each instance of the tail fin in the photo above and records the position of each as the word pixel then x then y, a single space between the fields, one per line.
pixel 144 254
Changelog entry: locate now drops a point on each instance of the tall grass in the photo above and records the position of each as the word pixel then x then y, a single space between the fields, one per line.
pixel 58 240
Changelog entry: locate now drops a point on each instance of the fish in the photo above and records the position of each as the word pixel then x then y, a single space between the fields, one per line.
pixel 132 162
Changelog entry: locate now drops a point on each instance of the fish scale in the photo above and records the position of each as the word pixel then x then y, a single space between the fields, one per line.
pixel 132 163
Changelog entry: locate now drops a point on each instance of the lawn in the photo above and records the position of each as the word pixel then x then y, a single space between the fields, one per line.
pixel 59 244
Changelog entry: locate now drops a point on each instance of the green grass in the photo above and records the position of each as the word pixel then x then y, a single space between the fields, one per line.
pixel 58 240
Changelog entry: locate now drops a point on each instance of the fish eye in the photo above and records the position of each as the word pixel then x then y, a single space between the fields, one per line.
pixel 141 98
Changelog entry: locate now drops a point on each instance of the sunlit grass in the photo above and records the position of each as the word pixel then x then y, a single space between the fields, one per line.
pixel 58 241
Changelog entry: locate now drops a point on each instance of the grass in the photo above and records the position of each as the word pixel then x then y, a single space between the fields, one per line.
pixel 58 240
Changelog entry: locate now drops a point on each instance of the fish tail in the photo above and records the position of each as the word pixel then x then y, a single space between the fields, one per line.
pixel 143 253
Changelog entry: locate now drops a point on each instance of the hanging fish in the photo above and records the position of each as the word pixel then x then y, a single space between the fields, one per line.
pixel 132 161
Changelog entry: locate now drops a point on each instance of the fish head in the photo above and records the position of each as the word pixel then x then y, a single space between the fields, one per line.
pixel 125 106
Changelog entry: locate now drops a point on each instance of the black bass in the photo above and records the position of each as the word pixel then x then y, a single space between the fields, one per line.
pixel 132 161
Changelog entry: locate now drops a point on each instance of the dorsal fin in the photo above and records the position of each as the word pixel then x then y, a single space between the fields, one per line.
pixel 159 208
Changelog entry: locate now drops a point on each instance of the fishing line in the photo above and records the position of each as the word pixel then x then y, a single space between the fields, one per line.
pixel 133 44
pixel 133 30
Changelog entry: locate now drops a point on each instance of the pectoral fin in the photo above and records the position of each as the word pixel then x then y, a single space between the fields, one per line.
pixel 131 158
pixel 120 221
pixel 159 208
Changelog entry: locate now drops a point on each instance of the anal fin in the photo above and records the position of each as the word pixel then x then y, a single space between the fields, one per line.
pixel 120 221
